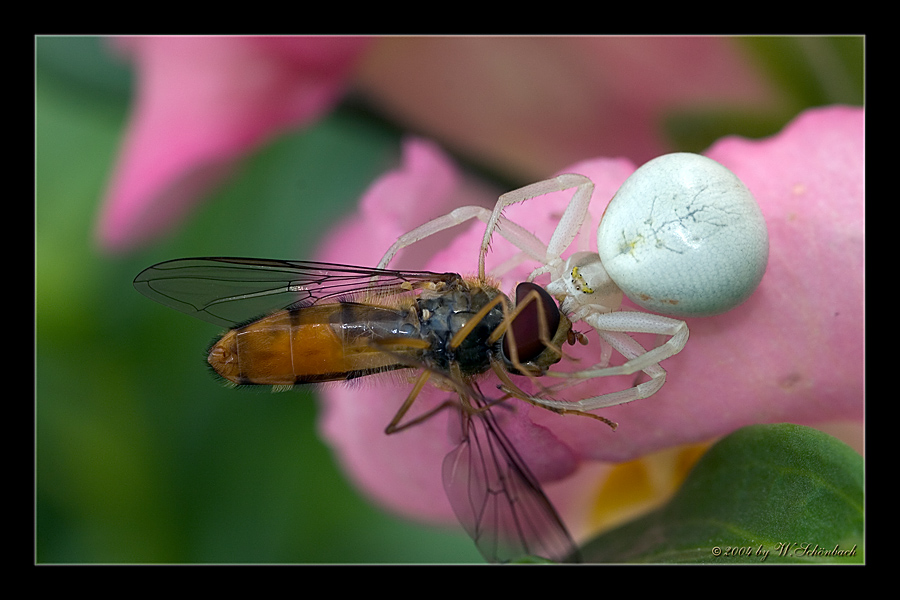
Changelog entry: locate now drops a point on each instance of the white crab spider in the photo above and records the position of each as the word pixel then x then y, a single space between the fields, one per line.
pixel 682 236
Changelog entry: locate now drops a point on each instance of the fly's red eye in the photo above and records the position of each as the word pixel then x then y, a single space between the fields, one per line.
pixel 526 327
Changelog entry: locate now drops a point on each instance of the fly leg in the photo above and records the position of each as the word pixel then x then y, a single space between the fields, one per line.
pixel 394 426
pixel 454 380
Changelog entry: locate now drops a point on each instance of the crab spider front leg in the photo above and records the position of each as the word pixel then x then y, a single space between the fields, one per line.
pixel 631 350
pixel 588 294
pixel 612 327
pixel 456 217
pixel 623 322
pixel 520 237
pixel 569 224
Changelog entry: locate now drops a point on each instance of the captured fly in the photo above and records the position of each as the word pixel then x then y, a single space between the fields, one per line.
pixel 298 322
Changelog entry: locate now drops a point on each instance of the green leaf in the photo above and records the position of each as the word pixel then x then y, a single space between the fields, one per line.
pixel 767 493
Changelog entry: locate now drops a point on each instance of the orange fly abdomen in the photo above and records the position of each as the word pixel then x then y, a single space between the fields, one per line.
pixel 316 343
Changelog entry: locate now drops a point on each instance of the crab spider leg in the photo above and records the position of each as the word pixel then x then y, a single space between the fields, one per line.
pixel 612 327
pixel 456 217
pixel 631 350
pixel 526 241
pixel 600 312
pixel 516 234
pixel 621 322
pixel 569 224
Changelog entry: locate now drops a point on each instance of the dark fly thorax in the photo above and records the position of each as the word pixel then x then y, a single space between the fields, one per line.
pixel 442 315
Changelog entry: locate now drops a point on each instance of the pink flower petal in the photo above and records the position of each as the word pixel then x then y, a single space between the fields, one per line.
pixel 202 103
pixel 424 187
pixel 792 352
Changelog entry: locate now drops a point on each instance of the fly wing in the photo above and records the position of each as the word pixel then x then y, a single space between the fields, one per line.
pixel 229 291
pixel 499 501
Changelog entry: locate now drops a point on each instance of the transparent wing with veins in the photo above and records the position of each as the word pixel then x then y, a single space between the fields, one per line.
pixel 495 496
pixel 228 291
pixel 497 499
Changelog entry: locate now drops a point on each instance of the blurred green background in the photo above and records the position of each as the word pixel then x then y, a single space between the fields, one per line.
pixel 141 456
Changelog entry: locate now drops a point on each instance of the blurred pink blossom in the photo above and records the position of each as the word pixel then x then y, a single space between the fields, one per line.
pixel 201 104
pixel 527 105
pixel 522 105
pixel 793 352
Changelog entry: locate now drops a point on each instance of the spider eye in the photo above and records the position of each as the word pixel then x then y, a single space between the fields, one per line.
pixel 526 327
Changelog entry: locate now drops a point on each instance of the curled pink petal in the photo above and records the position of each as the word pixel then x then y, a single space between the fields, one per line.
pixel 792 352
pixel 201 104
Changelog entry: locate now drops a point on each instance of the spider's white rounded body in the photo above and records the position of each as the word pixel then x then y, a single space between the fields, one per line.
pixel 684 236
